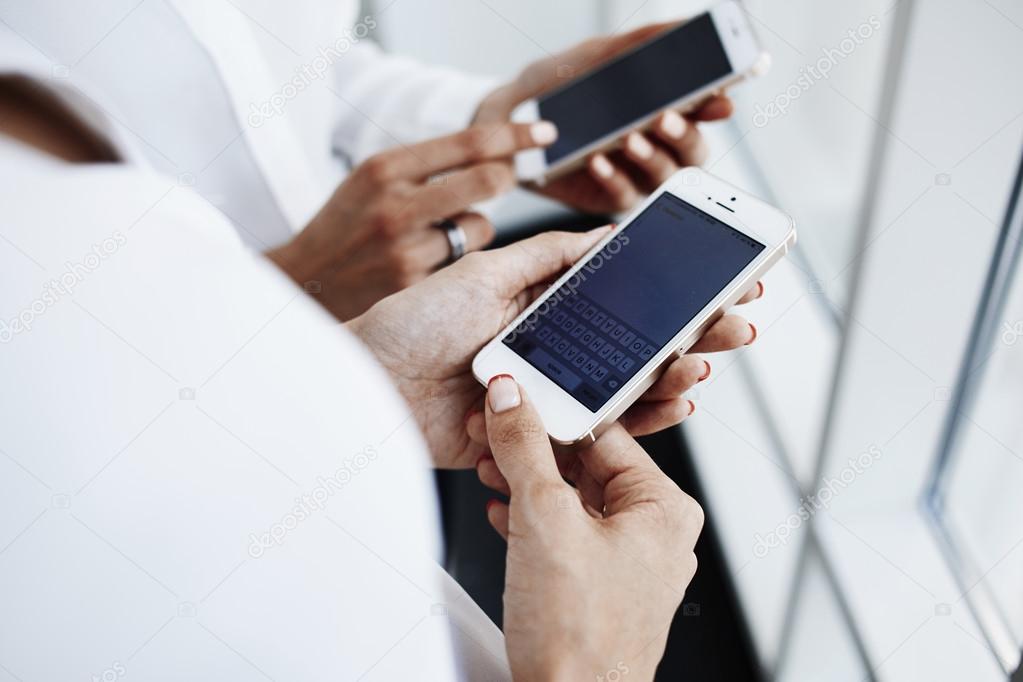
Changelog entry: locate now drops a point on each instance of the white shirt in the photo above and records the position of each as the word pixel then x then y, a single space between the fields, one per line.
pixel 262 105
pixel 202 475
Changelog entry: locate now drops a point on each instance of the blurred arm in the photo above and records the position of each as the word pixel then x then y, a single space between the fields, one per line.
pixel 389 100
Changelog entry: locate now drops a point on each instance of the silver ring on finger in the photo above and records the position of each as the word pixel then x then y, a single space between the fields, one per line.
pixel 456 239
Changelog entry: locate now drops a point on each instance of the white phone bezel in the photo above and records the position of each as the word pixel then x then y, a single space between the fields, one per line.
pixel 567 420
pixel 744 55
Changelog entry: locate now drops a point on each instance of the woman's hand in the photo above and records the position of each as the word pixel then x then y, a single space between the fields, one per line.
pixel 376 234
pixel 588 590
pixel 426 337
pixel 616 181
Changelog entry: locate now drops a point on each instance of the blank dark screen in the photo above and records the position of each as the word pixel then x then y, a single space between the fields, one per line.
pixel 650 79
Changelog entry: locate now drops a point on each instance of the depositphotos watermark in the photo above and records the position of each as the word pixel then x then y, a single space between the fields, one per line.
pixel 572 284
pixel 1012 332
pixel 309 73
pixel 311 502
pixel 811 504
pixel 115 672
pixel 615 674
pixel 56 289
pixel 811 74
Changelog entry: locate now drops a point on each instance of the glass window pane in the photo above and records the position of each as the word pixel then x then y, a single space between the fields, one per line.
pixel 820 645
pixel 983 505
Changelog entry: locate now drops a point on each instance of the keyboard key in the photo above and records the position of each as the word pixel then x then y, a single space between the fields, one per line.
pixel 590 365
pixel 627 338
pixel 579 307
pixel 559 317
pixel 608 325
pixel 606 351
pixel 552 339
pixel 571 352
pixel 562 346
pixel 626 364
pixel 636 346
pixel 589 397
pixel 568 325
pixel 588 336
pixel 543 333
pixel 599 373
pixel 555 370
pixel 599 319
pixel 578 331
pixel 613 383
pixel 580 359
pixel 616 357
pixel 618 332
pixel 647 353
pixel 589 313
pixel 596 344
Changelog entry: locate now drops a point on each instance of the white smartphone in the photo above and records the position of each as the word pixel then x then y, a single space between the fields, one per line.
pixel 678 69
pixel 601 335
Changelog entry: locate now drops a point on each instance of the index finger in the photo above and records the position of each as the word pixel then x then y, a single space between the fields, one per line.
pixel 620 466
pixel 471 146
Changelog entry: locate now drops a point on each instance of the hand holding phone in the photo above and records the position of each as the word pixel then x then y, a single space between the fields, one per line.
pixel 602 334
pixel 677 69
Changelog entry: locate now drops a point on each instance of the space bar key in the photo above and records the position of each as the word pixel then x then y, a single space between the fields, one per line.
pixel 565 377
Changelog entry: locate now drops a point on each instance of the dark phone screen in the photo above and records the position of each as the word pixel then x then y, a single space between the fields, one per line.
pixel 605 323
pixel 661 72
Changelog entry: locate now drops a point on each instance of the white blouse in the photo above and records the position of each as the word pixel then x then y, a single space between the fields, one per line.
pixel 260 105
pixel 202 475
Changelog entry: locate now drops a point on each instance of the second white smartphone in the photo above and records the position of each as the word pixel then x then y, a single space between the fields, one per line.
pixel 677 69
pixel 601 335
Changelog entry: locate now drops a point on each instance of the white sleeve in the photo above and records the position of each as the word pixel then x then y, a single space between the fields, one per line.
pixel 388 100
pixel 203 476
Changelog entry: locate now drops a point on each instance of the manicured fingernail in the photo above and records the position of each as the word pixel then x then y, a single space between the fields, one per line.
pixel 754 330
pixel 673 125
pixel 692 408
pixel 503 393
pixel 706 373
pixel 761 285
pixel 602 167
pixel 638 145
pixel 544 132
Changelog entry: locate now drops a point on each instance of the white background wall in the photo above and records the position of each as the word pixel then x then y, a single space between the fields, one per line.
pixel 950 154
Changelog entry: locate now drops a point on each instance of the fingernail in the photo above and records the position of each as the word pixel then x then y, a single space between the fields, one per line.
pixel 754 330
pixel 544 132
pixel 761 285
pixel 469 415
pixel 602 167
pixel 485 456
pixel 706 373
pixel 692 408
pixel 503 393
pixel 638 145
pixel 490 503
pixel 673 125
